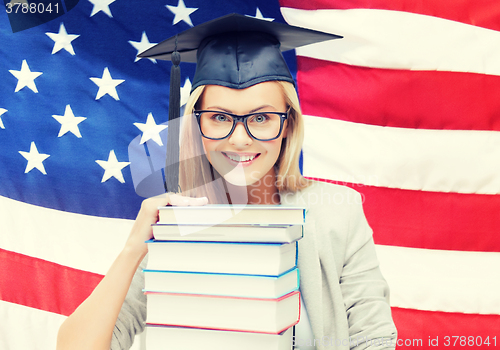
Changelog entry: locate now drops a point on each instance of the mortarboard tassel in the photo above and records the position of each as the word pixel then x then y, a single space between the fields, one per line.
pixel 172 168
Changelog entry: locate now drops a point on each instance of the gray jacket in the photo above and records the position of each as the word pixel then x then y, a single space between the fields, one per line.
pixel 345 295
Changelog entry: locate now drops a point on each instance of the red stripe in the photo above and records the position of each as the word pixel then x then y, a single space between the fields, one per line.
pixel 432 220
pixel 481 13
pixel 42 284
pixel 444 330
pixel 399 98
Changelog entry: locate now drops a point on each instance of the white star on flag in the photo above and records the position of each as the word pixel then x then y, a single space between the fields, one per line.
pixel 62 40
pixel 112 167
pixel 185 91
pixel 101 5
pixel 259 15
pixel 25 77
pixel 182 13
pixel 35 159
pixel 151 131
pixel 69 122
pixel 2 111
pixel 107 85
pixel 142 46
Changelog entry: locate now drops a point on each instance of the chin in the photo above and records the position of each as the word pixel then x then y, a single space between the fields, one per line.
pixel 238 177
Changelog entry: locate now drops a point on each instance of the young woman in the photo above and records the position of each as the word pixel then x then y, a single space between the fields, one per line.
pixel 251 138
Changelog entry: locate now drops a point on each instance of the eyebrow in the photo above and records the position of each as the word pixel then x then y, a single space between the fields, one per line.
pixel 229 111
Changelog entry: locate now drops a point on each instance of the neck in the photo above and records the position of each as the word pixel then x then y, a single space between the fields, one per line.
pixel 263 191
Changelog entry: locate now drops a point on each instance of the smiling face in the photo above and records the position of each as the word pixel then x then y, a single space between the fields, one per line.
pixel 241 160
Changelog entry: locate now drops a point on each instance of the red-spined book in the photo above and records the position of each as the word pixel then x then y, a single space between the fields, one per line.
pixel 270 316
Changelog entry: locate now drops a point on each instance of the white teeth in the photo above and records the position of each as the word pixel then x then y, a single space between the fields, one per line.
pixel 239 158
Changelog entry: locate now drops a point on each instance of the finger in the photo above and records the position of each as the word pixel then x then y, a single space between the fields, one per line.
pixel 198 201
pixel 161 200
pixel 178 200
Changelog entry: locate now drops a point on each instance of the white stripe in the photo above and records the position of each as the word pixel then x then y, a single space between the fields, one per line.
pixel 80 241
pixel 27 328
pixel 439 280
pixel 462 161
pixel 399 40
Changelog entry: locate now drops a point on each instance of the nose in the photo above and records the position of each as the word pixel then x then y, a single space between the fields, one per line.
pixel 240 137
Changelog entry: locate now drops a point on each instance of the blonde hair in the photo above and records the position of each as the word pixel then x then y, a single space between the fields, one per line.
pixel 198 178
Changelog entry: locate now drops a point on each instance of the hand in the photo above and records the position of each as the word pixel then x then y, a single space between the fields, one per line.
pixel 148 215
pixel 91 325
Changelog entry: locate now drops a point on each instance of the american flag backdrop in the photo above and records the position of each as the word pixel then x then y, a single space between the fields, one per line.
pixel 405 109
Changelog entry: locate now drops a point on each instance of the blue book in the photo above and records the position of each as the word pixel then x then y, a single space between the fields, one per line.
pixel 266 259
pixel 222 284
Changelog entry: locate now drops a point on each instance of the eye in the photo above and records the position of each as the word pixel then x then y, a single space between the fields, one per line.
pixel 221 118
pixel 259 118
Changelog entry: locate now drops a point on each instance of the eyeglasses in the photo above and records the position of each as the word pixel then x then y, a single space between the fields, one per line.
pixel 261 126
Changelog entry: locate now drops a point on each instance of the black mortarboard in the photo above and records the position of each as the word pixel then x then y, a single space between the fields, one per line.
pixel 234 51
pixel 237 51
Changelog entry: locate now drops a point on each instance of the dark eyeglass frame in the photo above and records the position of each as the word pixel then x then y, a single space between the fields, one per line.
pixel 243 119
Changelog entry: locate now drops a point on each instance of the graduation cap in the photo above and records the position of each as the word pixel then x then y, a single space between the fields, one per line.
pixel 234 51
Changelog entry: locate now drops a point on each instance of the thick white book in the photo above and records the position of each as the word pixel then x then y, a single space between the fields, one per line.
pixel 213 214
pixel 268 259
pixel 228 233
pixel 225 313
pixel 183 338
pixel 248 286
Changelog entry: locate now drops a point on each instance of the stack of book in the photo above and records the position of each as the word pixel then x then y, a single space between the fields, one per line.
pixel 223 277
